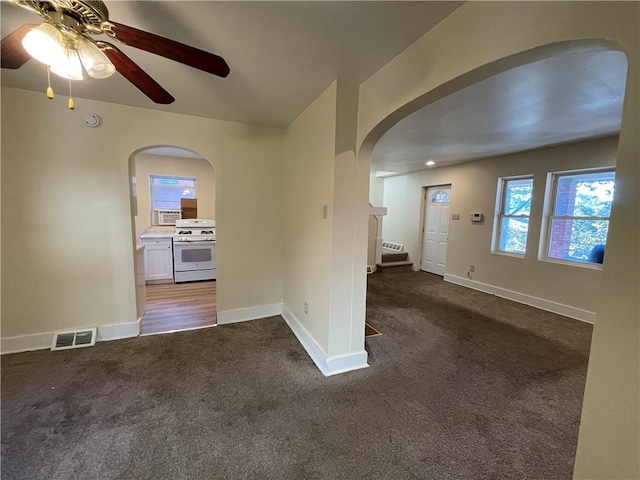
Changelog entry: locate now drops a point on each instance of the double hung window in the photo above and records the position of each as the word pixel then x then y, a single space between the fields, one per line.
pixel 166 191
pixel 511 223
pixel 578 206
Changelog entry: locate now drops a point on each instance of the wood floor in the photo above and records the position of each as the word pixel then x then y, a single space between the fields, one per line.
pixel 179 306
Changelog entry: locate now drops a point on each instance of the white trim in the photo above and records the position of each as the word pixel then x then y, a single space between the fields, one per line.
pixel 142 334
pixel 541 303
pixel 117 331
pixel 26 343
pixel 42 341
pixel 252 313
pixel 327 365
pixel 377 211
pixel 572 263
pixel 346 363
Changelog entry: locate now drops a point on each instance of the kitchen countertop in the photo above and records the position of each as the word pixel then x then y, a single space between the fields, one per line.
pixel 159 232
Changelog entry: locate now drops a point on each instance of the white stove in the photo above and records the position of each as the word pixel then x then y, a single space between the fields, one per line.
pixel 194 248
pixel 195 230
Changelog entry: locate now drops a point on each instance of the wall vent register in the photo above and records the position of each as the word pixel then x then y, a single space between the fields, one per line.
pixel 396 247
pixel 85 337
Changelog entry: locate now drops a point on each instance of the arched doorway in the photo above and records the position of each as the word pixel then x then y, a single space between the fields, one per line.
pixel 438 92
pixel 531 100
pixel 160 177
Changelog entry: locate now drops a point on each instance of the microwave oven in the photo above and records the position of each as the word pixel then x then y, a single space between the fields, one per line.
pixel 167 217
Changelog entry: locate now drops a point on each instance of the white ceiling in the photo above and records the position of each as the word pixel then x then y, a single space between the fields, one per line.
pixel 552 101
pixel 282 56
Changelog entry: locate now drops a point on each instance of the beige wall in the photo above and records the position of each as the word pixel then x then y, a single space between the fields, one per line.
pixel 57 174
pixel 480 39
pixel 473 189
pixel 65 188
pixel 199 168
pixel 309 152
pixel 320 223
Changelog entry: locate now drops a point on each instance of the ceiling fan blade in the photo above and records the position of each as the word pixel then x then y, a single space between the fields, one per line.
pixel 138 77
pixel 168 48
pixel 11 50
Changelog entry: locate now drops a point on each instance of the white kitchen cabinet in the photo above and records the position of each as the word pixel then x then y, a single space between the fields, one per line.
pixel 158 260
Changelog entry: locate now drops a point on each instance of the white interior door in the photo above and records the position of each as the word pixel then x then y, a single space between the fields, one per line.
pixel 436 229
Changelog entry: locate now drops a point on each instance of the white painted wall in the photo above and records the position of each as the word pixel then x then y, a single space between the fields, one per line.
pixel 199 168
pixel 320 211
pixel 473 189
pixel 479 39
pixel 376 190
pixel 65 190
pixel 309 152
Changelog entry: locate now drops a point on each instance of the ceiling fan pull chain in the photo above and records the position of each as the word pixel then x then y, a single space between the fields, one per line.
pixel 49 89
pixel 71 105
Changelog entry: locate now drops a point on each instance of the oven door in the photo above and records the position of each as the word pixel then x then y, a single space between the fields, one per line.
pixel 190 256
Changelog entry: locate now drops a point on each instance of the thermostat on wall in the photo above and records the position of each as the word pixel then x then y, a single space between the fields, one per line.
pixel 476 216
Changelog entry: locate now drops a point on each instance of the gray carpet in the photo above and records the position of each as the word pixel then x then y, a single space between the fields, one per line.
pixel 462 385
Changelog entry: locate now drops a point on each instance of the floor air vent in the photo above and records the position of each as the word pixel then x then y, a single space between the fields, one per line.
pixel 396 247
pixel 77 339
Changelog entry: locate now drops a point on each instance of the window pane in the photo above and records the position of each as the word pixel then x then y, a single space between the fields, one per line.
pixel 440 197
pixel 517 199
pixel 575 239
pixel 169 198
pixel 167 191
pixel 513 238
pixel 588 195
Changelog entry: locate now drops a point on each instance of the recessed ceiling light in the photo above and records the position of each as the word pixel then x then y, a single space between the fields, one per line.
pixel 430 163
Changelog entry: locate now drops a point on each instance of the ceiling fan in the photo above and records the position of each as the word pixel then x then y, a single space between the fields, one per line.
pixel 66 33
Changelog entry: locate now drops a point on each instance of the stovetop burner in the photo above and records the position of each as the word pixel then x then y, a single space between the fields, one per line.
pixel 195 230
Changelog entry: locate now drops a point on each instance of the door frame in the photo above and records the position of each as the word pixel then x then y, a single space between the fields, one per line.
pixel 423 207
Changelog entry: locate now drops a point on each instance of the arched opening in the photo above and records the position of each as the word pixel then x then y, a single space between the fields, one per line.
pixel 176 279
pixel 555 95
pixel 470 260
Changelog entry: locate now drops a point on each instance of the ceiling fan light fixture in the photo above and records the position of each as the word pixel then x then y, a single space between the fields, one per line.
pixel 68 66
pixel 94 61
pixel 44 43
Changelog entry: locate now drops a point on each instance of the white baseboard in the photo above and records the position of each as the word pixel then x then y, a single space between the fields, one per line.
pixel 327 365
pixel 42 341
pixel 26 343
pixel 541 303
pixel 117 331
pixel 252 313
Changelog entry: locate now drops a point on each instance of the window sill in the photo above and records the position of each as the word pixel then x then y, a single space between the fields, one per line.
pixel 508 254
pixel 587 265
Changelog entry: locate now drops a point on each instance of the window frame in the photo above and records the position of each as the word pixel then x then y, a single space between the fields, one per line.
pixel 548 215
pixel 500 215
pixel 152 199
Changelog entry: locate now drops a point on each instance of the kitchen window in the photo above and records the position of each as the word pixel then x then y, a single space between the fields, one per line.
pixel 577 209
pixel 166 191
pixel 511 221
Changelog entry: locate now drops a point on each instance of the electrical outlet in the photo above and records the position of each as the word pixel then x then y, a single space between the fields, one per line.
pixel 472 268
pixel 306 307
